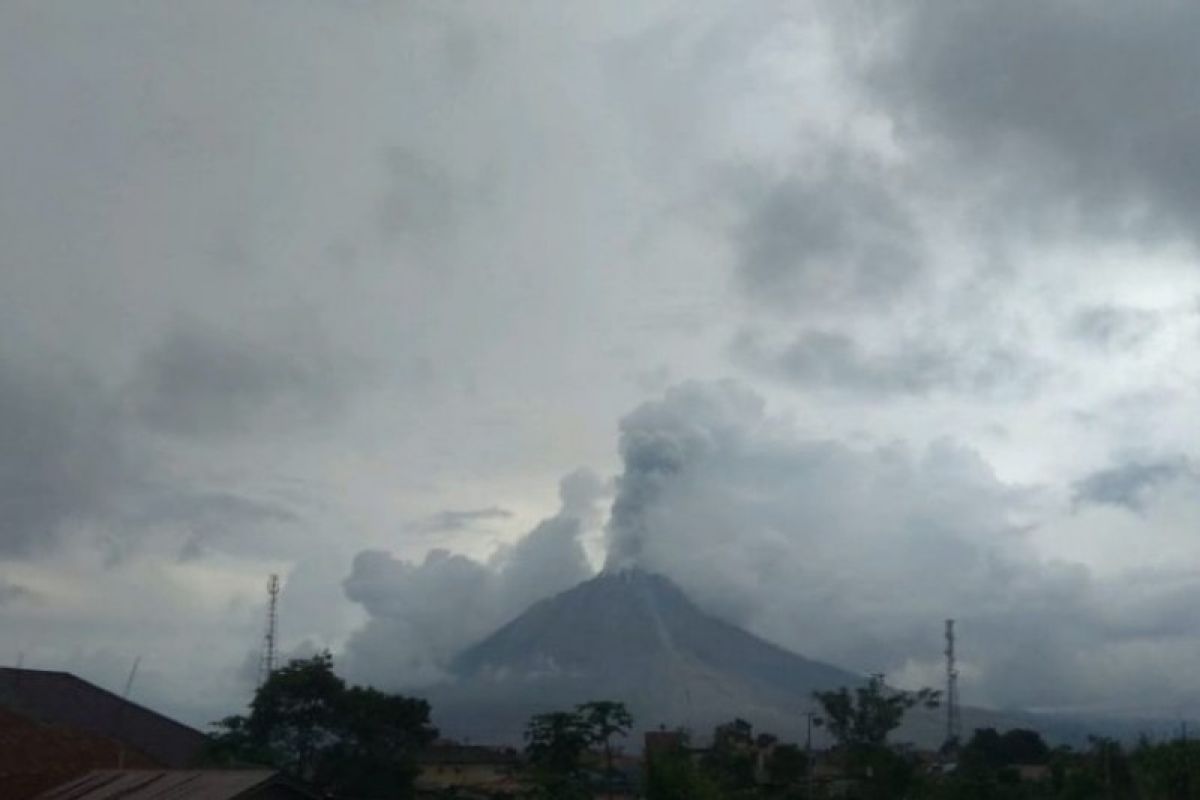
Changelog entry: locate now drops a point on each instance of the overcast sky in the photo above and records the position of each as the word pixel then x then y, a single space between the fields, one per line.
pixel 847 316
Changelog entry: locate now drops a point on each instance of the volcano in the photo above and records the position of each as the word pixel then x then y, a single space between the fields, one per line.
pixel 635 637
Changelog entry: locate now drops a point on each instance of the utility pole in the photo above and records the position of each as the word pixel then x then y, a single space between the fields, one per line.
pixel 952 715
pixel 812 719
pixel 266 664
pixel 121 712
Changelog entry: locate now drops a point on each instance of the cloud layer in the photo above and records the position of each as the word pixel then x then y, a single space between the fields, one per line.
pixel 322 298
pixel 423 614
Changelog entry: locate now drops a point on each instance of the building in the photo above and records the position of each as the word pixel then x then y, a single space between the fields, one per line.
pixel 470 770
pixel 59 698
pixel 55 727
pixel 180 785
pixel 35 757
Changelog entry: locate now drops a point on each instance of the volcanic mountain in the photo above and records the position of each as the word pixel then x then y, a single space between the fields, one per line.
pixel 635 637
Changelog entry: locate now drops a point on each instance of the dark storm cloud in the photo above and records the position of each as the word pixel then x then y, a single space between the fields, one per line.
pixel 834 360
pixel 451 520
pixel 840 239
pixel 63 459
pixel 199 383
pixel 1089 106
pixel 1130 484
pixel 1113 328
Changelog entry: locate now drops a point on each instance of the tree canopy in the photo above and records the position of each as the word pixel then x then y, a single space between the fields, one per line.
pixel 556 742
pixel 865 717
pixel 350 740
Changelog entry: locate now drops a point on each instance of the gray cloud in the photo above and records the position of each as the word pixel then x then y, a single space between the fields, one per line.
pixel 1087 106
pixel 199 383
pixel 209 518
pixel 11 593
pixel 451 520
pixel 821 546
pixel 422 614
pixel 421 201
pixel 839 240
pixel 1113 328
pixel 834 360
pixel 63 460
pixel 1129 484
pixel 74 465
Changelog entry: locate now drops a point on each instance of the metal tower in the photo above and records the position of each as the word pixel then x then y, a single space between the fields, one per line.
pixel 266 664
pixel 953 727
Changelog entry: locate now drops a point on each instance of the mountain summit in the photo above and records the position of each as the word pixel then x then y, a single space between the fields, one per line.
pixel 632 636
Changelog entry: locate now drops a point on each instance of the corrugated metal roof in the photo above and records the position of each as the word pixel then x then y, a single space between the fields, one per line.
pixel 60 698
pixel 167 785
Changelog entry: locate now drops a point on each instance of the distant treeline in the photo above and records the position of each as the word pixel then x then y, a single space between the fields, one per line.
pixel 358 742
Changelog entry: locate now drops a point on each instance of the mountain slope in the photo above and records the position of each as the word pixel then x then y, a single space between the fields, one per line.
pixel 635 637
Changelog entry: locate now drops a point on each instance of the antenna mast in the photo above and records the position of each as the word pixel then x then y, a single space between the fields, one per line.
pixel 267 663
pixel 121 712
pixel 952 717
pixel 129 680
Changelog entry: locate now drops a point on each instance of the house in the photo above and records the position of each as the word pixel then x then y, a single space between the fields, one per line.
pixel 180 785
pixel 471 770
pixel 35 757
pixel 55 727
pixel 62 699
pixel 1033 773
pixel 662 742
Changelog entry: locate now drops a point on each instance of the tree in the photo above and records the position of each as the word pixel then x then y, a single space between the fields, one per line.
pixel 864 718
pixel 555 744
pixel 304 720
pixel 604 719
pixel 786 765
pixel 1024 746
pixel 294 713
pixel 672 774
pixel 374 728
pixel 861 720
pixel 732 760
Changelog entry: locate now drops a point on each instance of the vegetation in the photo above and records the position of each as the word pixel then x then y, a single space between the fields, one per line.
pixel 674 774
pixel 862 719
pixel 557 742
pixel 352 741
pixel 346 740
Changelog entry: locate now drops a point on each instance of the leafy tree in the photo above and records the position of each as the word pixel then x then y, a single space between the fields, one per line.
pixel 865 717
pixel 732 760
pixel 555 744
pixel 304 720
pixel 295 713
pixel 674 775
pixel 604 719
pixel 1169 770
pixel 1024 746
pixel 374 727
pixel 786 765
pixel 861 720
